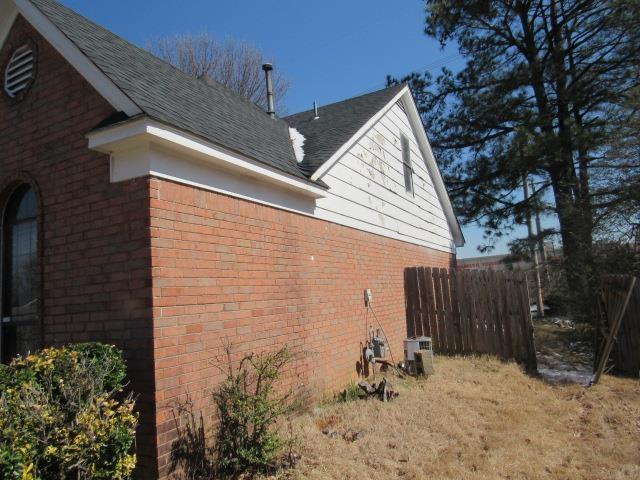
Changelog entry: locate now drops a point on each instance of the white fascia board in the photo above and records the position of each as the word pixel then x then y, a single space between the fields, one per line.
pixel 326 166
pixel 432 166
pixel 117 137
pixel 86 68
pixel 132 134
pixel 8 14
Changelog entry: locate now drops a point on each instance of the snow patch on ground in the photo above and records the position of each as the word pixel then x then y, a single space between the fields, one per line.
pixel 297 140
pixel 556 369
pixel 561 358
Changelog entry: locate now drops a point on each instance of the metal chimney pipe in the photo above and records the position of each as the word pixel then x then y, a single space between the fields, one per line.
pixel 267 67
pixel 315 110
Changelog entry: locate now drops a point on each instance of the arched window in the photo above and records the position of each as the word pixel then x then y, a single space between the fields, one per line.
pixel 20 292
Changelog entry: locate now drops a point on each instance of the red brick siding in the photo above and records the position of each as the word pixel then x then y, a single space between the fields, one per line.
pixel 259 277
pixel 94 235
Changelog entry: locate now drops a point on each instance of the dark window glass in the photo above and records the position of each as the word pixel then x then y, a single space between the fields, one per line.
pixel 406 164
pixel 20 274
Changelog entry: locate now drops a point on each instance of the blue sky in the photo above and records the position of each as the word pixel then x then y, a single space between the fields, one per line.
pixel 329 50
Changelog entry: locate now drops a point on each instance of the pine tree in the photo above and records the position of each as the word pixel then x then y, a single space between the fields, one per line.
pixel 541 91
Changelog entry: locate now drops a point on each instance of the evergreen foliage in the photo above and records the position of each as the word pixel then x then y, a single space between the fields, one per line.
pixel 549 90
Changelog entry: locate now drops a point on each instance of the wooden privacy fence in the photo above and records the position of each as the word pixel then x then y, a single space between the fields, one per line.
pixel 471 311
pixel 625 354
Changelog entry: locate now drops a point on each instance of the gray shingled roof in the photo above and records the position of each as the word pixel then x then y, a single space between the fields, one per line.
pixel 337 123
pixel 164 93
pixel 211 110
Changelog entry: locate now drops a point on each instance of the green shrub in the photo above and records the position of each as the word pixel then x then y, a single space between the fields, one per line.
pixel 350 393
pixel 248 407
pixel 245 440
pixel 63 415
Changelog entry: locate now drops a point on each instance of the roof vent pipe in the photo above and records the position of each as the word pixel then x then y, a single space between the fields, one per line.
pixel 267 67
pixel 315 110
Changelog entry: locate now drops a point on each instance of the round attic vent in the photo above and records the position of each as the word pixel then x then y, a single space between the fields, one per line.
pixel 19 72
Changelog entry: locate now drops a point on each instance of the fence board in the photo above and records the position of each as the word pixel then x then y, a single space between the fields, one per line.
pixel 419 328
pixel 497 311
pixel 455 312
pixel 471 311
pixel 424 289
pixel 440 347
pixel 462 314
pixel 625 355
pixel 431 303
pixel 507 318
pixel 448 311
pixel 492 317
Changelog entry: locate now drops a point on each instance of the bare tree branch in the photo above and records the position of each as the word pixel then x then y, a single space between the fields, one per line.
pixel 235 64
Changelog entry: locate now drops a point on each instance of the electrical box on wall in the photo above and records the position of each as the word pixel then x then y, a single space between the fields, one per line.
pixel 378 346
pixel 368 297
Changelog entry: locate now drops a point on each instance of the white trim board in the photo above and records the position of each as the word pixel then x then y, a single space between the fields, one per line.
pixel 66 48
pixel 155 161
pixel 432 167
pixel 130 136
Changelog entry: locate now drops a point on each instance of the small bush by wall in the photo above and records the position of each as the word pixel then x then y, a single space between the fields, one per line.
pixel 245 439
pixel 63 415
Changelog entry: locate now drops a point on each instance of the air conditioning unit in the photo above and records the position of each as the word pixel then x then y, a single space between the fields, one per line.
pixel 415 345
pixel 412 345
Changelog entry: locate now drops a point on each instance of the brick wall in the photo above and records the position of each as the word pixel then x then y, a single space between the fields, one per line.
pixel 226 269
pixel 95 264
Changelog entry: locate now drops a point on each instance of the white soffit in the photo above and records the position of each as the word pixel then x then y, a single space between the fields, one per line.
pixel 8 11
pixel 130 135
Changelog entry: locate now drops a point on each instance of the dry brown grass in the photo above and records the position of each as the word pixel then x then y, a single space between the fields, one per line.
pixel 477 418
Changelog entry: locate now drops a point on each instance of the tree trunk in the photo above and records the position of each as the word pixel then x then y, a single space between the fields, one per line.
pixel 576 225
pixel 576 247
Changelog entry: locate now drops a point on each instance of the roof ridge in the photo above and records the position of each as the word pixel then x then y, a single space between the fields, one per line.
pixel 348 99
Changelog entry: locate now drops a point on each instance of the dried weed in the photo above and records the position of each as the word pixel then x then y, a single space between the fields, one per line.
pixel 478 418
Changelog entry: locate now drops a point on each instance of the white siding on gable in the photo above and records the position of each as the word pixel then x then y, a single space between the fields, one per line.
pixel 367 188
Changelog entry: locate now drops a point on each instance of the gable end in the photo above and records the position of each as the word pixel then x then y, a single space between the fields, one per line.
pixel 68 50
